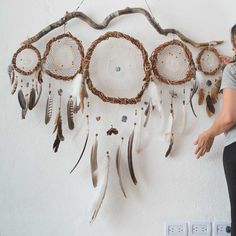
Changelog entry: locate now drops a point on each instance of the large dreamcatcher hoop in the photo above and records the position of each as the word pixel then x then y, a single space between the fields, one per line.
pixel 208 61
pixel 63 57
pixel 172 63
pixel 146 67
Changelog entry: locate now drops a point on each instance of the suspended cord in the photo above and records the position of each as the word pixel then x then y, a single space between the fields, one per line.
pixel 149 9
pixel 80 4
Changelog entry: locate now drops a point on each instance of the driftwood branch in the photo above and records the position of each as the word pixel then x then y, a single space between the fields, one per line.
pixel 109 18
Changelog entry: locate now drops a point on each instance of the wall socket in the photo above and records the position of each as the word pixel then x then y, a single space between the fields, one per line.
pixel 200 229
pixel 222 229
pixel 176 229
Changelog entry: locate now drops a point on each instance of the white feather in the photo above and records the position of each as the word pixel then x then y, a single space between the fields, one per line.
pixel 76 85
pixel 152 88
pixel 101 190
pixel 138 134
pixel 161 120
pixel 200 78
pixel 183 122
pixel 169 127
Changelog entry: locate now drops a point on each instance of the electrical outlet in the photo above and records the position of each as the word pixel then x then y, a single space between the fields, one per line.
pixel 200 228
pixel 222 229
pixel 176 229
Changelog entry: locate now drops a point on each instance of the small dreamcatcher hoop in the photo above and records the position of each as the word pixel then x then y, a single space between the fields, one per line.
pixel 26 60
pixel 208 61
pixel 63 57
pixel 172 63
pixel 146 67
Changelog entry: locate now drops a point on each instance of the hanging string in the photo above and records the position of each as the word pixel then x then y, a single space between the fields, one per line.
pixel 80 4
pixel 149 9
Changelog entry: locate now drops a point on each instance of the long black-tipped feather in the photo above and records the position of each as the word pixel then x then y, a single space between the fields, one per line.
pixel 32 98
pixel 210 104
pixel 130 157
pixel 170 146
pixel 49 106
pixel 39 94
pixel 21 99
pixel 81 155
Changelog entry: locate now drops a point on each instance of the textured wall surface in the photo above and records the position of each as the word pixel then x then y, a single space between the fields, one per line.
pixel 37 195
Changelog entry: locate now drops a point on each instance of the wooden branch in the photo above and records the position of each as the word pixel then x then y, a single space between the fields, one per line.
pixel 109 18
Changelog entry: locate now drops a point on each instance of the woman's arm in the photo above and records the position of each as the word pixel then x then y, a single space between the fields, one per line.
pixel 225 120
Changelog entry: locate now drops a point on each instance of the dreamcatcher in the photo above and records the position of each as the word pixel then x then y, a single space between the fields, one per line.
pixel 209 63
pixel 25 74
pixel 62 60
pixel 172 64
pixel 91 73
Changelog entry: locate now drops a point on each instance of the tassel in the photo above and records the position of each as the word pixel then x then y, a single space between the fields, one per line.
pixel 148 113
pixel 85 144
pixel 49 107
pixel 14 87
pixel 214 94
pixel 118 158
pixel 32 98
pixel 21 99
pixel 130 156
pixel 201 96
pixel 93 162
pixel 101 190
pixel 83 95
pixel 70 110
pixel 193 91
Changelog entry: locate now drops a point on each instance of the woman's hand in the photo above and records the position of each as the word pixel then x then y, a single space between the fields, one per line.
pixel 226 59
pixel 204 143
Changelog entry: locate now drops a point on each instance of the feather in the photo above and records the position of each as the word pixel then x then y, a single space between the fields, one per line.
pixel 11 73
pixel 14 87
pixel 32 98
pixel 153 93
pixel 58 128
pixel 101 190
pixel 214 94
pixel 169 133
pixel 201 96
pixel 56 144
pixel 130 157
pixel 138 133
pixel 184 118
pixel 83 95
pixel 39 95
pixel 193 91
pixel 218 84
pixel 70 110
pixel 148 113
pixel 49 107
pixel 40 77
pixel 81 155
pixel 209 113
pixel 210 104
pixel 170 145
pixel 21 99
pixel 76 107
pixel 93 162
pixel 118 158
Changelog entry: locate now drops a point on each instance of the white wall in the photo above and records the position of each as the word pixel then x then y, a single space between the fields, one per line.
pixel 39 197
